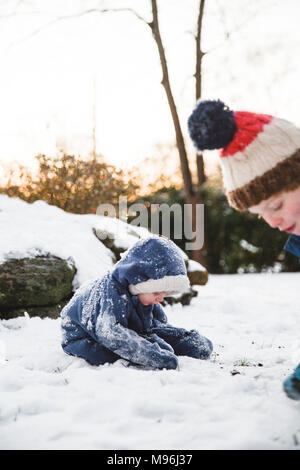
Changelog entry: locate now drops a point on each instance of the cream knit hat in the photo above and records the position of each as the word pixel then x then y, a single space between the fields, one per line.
pixel 171 284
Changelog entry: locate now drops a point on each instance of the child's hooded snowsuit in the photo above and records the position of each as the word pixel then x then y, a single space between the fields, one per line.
pixel 105 321
pixel 292 384
pixel 293 245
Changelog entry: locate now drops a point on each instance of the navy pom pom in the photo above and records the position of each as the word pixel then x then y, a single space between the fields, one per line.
pixel 211 125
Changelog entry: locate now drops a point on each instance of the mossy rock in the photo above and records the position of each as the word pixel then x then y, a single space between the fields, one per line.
pixel 108 240
pixel 184 299
pixel 198 277
pixel 50 311
pixel 35 282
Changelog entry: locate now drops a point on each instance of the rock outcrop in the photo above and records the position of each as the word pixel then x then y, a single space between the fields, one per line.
pixel 41 281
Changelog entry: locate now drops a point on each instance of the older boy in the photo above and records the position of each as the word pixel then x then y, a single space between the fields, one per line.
pixel 260 161
pixel 119 316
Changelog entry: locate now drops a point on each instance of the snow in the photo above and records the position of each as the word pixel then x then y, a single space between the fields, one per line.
pixel 49 400
pixel 66 235
pixel 53 401
pixel 195 266
pixel 62 234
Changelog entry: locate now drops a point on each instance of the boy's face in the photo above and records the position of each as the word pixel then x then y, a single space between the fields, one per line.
pixel 152 298
pixel 281 211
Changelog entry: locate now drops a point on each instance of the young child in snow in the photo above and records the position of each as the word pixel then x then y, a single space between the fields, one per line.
pixel 119 316
pixel 261 171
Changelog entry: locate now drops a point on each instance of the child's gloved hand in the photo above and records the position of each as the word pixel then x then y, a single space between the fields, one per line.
pixel 163 359
pixel 291 385
pixel 161 343
pixel 168 360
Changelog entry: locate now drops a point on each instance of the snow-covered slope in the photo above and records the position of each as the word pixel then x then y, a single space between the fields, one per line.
pixel 49 400
pixel 52 401
pixel 31 229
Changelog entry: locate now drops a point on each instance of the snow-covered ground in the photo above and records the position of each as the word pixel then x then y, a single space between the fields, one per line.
pixel 49 400
pixel 53 401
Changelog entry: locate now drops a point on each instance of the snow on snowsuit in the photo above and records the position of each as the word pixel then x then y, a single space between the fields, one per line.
pixel 292 384
pixel 105 320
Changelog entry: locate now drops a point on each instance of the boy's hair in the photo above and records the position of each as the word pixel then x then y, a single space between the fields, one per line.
pixel 290 187
pixel 260 154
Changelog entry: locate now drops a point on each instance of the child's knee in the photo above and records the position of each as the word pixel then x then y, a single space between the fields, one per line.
pixel 91 351
pixel 207 348
pixel 204 346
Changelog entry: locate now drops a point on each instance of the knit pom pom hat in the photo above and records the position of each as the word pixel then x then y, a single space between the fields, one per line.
pixel 260 154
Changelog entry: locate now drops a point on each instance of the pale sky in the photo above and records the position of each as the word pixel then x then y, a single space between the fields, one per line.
pixel 50 80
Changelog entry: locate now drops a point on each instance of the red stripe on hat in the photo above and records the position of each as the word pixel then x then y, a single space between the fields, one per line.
pixel 249 125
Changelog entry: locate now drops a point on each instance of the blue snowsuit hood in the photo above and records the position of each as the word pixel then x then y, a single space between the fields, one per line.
pixel 149 259
pixel 116 321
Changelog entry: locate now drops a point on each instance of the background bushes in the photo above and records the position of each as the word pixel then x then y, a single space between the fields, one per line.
pixel 73 184
pixel 235 241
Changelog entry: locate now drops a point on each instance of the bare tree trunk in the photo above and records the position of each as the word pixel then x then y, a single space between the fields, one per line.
pixel 199 255
pixel 190 194
pixel 186 173
pixel 198 78
pixel 191 197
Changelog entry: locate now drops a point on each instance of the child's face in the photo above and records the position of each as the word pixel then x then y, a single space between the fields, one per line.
pixel 152 298
pixel 281 211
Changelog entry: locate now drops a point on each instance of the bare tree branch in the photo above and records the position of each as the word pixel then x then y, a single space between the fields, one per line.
pixel 14 10
pixel 201 176
pixel 199 52
pixel 186 173
pixel 77 15
pixel 228 33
